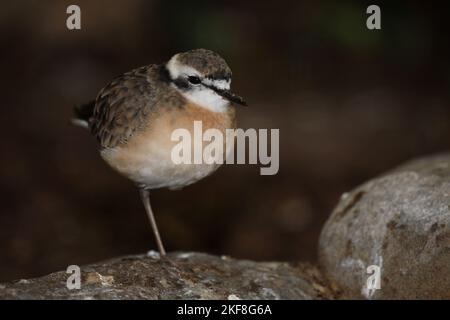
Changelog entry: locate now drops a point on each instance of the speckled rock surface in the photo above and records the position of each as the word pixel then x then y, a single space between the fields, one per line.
pixel 180 276
pixel 399 222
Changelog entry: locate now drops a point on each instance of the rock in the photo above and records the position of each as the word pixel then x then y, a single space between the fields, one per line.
pixel 399 222
pixel 179 276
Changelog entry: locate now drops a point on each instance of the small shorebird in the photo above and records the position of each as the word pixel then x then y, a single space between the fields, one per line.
pixel 134 116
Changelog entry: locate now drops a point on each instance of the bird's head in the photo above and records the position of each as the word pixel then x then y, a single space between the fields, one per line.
pixel 203 77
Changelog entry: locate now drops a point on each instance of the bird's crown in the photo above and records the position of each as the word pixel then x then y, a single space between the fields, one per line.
pixel 206 62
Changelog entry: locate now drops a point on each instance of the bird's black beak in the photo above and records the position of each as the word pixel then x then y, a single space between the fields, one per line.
pixel 233 97
pixel 230 96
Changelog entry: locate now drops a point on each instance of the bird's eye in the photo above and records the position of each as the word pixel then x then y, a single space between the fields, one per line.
pixel 194 79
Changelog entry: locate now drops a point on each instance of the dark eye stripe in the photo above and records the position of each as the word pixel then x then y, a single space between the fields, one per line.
pixel 181 83
pixel 194 79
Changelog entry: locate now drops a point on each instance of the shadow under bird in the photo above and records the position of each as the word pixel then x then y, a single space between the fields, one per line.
pixel 133 118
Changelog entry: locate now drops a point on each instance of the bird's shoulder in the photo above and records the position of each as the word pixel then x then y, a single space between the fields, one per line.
pixel 123 106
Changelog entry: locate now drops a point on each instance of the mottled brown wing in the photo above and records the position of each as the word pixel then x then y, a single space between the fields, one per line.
pixel 122 107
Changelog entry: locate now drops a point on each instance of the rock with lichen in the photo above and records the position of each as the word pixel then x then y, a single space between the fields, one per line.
pixel 399 222
pixel 178 276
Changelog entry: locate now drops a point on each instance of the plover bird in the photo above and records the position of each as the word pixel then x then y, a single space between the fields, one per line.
pixel 133 118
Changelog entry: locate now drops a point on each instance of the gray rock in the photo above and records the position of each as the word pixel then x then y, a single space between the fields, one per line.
pixel 179 276
pixel 399 222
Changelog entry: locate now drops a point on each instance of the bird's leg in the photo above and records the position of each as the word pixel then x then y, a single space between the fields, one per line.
pixel 145 196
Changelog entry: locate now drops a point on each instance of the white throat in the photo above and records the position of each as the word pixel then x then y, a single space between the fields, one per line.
pixel 206 98
pixel 200 95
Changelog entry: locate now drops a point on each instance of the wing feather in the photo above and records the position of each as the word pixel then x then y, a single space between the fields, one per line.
pixel 123 106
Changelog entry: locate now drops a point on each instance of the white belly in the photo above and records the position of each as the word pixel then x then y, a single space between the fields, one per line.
pixel 154 168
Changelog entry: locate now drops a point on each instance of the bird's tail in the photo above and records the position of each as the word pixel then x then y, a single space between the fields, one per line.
pixel 82 114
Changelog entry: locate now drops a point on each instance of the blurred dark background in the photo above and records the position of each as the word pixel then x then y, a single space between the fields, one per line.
pixel 350 104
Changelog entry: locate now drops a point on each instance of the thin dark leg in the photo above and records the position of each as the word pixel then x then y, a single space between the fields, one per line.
pixel 145 196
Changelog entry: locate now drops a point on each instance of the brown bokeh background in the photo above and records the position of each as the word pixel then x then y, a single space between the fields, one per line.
pixel 350 103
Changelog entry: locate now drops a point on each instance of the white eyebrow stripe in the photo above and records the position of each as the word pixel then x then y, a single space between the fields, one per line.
pixel 176 68
pixel 220 84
